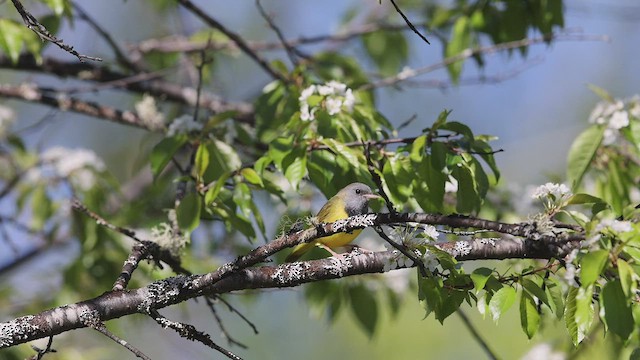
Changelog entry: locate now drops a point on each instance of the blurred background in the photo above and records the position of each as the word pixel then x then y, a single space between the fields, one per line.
pixel 536 109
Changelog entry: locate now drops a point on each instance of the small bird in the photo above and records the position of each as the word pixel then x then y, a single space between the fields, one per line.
pixel 350 201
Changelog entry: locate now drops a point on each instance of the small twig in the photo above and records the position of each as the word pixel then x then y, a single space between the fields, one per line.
pixel 291 50
pixel 376 179
pixel 241 315
pixel 223 329
pixel 41 352
pixel 188 331
pixel 77 205
pixel 120 55
pixel 404 17
pixel 44 34
pixel 242 44
pixel 476 335
pixel 403 249
pixel 91 318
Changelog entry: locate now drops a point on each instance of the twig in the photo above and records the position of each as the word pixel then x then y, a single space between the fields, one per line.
pixel 44 34
pixel 404 75
pixel 41 352
pixel 51 97
pixel 223 329
pixel 242 44
pixel 404 17
pixel 404 250
pixel 91 318
pixel 291 50
pixel 77 205
pixel 120 56
pixel 241 315
pixel 377 179
pixel 190 332
pixel 476 335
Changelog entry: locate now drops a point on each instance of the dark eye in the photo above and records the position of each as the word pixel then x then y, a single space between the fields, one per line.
pixel 358 191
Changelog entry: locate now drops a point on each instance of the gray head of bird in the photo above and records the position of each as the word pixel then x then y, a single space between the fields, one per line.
pixel 356 198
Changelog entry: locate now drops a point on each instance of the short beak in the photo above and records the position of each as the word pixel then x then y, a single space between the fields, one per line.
pixel 372 196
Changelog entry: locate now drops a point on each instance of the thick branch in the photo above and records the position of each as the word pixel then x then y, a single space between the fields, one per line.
pixel 160 294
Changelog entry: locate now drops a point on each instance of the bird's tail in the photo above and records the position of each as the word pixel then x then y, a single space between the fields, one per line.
pixel 299 250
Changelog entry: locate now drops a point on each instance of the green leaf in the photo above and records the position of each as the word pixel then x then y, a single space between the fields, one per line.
pixel 417 150
pixel 252 176
pixel 460 41
pixel 388 49
pixel 163 152
pixel 501 302
pixel 617 309
pixel 467 199
pixel 602 93
pixel 222 159
pixel 554 289
pixel 11 38
pixel 41 207
pixel 578 313
pixel 279 149
pixel 581 153
pixel 214 191
pixel 202 160
pixel 365 308
pixel 430 294
pixel 188 212
pixel 529 316
pixel 626 273
pixel 459 128
pixel 535 290
pixel 297 169
pixel 479 277
pixel 338 148
pixel 592 265
pixel 580 198
pixel 58 6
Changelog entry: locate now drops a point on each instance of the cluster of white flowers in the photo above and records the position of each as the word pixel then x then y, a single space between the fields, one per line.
pixel 543 351
pixel 183 124
pixel 337 96
pixel 76 165
pixel 431 232
pixel 615 115
pixel 7 117
pixel 148 112
pixel 557 191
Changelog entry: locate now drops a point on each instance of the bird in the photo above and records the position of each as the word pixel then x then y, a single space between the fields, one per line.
pixel 352 200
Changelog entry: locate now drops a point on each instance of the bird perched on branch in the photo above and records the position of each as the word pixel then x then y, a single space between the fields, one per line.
pixel 350 201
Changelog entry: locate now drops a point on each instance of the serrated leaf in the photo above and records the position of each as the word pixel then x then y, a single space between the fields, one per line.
pixel 296 170
pixel 501 301
pixel 535 290
pixel 188 212
pixel 213 191
pixel 529 316
pixel 554 290
pixel 581 153
pixel 222 159
pixel 479 277
pixel 578 313
pixel 163 152
pixel 617 309
pixel 365 308
pixel 592 265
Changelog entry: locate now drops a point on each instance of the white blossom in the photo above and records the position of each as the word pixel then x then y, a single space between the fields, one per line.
pixel 337 97
pixel 148 111
pixel 451 186
pixel 431 232
pixel 618 120
pixel 183 124
pixel 77 165
pixel 430 261
pixel 543 351
pixel 614 225
pixel 333 105
pixel 551 189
